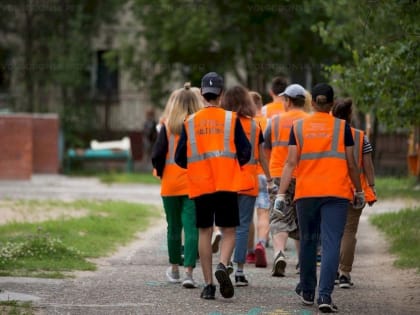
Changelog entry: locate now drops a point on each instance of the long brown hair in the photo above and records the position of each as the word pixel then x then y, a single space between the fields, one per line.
pixel 237 99
pixel 343 109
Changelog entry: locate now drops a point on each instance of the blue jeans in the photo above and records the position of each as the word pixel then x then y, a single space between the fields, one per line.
pixel 246 214
pixel 320 218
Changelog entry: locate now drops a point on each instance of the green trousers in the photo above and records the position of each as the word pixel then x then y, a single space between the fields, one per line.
pixel 180 214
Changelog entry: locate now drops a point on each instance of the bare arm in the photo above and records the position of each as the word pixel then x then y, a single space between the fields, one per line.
pixel 290 165
pixel 263 161
pixel 353 170
pixel 368 169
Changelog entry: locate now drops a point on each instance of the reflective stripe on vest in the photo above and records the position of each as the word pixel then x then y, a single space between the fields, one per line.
pixel 324 154
pixel 170 159
pixel 276 125
pixel 195 157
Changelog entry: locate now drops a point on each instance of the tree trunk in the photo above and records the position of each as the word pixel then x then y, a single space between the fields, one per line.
pixel 28 59
pixel 65 49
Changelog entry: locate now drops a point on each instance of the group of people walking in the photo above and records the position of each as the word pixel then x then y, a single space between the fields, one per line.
pixel 220 154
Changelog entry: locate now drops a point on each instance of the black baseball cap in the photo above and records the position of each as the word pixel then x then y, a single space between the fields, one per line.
pixel 212 83
pixel 323 89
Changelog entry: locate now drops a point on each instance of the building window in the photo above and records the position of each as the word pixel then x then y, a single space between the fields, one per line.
pixel 5 75
pixel 107 76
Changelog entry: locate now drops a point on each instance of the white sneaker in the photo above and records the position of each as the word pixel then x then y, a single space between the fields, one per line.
pixel 173 277
pixel 189 282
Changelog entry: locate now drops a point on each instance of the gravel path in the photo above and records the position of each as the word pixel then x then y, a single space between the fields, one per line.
pixel 132 281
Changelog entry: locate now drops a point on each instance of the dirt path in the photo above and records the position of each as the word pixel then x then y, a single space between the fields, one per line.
pixel 132 281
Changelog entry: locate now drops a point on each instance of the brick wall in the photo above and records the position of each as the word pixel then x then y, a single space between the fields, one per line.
pixel 15 146
pixel 45 143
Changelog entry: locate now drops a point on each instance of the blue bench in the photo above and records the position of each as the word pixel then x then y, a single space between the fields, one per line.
pixel 99 154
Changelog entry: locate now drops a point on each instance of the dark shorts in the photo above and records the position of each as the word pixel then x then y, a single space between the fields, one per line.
pixel 220 209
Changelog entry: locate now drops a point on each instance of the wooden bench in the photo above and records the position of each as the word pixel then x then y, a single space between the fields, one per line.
pixel 103 151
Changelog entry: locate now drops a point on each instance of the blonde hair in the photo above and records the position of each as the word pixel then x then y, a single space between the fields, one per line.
pixel 308 103
pixel 168 107
pixel 237 99
pixel 185 102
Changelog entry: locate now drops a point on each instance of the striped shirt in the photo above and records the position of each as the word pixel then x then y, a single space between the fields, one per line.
pixel 367 147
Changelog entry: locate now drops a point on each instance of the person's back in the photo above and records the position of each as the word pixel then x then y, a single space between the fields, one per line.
pixel 212 147
pixel 320 135
pixel 179 209
pixel 278 85
pixel 211 158
pixel 321 147
pixel 280 129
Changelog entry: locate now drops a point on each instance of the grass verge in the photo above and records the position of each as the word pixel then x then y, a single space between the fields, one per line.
pixel 396 187
pixel 402 228
pixel 49 248
pixel 16 308
pixel 128 178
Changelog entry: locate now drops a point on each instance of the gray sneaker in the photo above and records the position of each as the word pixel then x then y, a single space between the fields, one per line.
pixel 188 281
pixel 279 265
pixel 173 277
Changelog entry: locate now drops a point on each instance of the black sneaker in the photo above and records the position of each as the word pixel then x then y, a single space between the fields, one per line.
pixel 279 265
pixel 240 281
pixel 306 297
pixel 208 292
pixel 337 278
pixel 325 305
pixel 222 276
pixel 344 282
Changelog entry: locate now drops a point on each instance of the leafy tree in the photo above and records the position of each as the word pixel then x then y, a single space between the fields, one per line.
pixel 253 41
pixel 383 38
pixel 51 44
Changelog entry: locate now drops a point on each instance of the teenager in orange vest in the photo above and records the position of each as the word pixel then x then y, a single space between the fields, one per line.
pixel 321 147
pixel 213 147
pixel 179 209
pixel 363 156
pixel 276 141
pixel 278 85
pixel 256 253
pixel 237 99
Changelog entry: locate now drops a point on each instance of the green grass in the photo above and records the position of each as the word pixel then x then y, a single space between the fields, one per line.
pixel 403 230
pixel 396 187
pixel 50 248
pixel 16 308
pixel 126 178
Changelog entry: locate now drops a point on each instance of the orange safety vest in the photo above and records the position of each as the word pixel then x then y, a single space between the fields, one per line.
pixel 273 108
pixel 322 169
pixel 211 153
pixel 252 131
pixel 280 131
pixel 358 157
pixel 174 178
pixel 262 120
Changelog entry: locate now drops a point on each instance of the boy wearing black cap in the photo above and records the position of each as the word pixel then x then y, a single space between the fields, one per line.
pixel 321 146
pixel 212 147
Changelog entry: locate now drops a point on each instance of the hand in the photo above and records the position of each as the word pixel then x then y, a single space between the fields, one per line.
pixel 271 187
pixel 359 200
pixel 279 205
